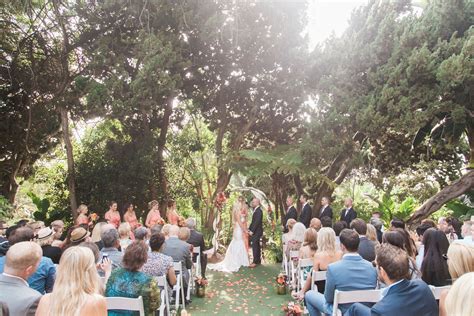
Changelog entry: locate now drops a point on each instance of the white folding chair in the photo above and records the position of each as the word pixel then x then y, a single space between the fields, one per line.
pixel 165 302
pixel 317 276
pixel 197 264
pixel 302 264
pixel 126 303
pixel 437 290
pixel 293 269
pixel 285 265
pixel 190 284
pixel 361 296
pixel 179 286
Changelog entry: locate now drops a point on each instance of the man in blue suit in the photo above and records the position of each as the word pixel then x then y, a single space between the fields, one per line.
pixel 401 296
pixel 349 274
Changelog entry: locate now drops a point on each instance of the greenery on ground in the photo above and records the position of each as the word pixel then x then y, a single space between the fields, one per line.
pixel 184 99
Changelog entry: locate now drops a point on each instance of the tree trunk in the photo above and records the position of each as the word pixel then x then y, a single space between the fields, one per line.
pixel 165 123
pixel 455 189
pixel 470 138
pixel 71 174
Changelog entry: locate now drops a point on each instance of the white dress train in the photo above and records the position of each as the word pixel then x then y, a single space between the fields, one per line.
pixel 236 255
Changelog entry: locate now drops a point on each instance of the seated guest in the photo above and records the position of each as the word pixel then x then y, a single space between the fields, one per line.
pixel 179 251
pixel 159 264
pixel 129 281
pixel 45 240
pixel 103 227
pixel 326 221
pixel 349 274
pixel 296 239
pixel 21 262
pixel 286 237
pixel 461 261
pixel 103 265
pixel 184 233
pixel 401 296
pixel 378 225
pixel 338 227
pixel 156 229
pixel 325 255
pixel 397 223
pixel 466 233
pixel 310 244
pixel 420 230
pixel 315 223
pixel 43 278
pixel 434 269
pixel 366 246
pixel 110 239
pixel 430 222
pixel 141 233
pixel 124 235
pixel 77 287
pixel 197 240
pixel 58 228
pixel 397 239
pixel 461 295
pixel 372 233
pixel 166 230
pixel 76 235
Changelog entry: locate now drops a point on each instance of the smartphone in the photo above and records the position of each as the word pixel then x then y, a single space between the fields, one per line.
pixel 105 255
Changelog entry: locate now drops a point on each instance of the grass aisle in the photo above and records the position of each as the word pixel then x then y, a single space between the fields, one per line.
pixel 247 292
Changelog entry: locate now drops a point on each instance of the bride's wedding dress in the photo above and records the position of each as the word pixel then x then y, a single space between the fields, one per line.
pixel 236 255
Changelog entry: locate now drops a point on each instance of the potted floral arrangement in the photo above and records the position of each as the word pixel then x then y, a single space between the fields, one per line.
pixel 201 286
pixel 293 309
pixel 281 284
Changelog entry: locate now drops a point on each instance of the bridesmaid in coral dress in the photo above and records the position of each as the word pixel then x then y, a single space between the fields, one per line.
pixel 154 216
pixel 171 213
pixel 130 217
pixel 82 217
pixel 113 216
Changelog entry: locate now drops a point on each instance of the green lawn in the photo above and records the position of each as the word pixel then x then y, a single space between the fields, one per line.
pixel 247 292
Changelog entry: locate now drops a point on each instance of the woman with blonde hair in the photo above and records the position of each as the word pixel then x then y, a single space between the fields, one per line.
pixel 154 215
pixel 96 231
pixel 372 233
pixel 325 255
pixel 296 239
pixel 77 287
pixel 286 237
pixel 166 230
pixel 82 217
pixel 460 262
pixel 459 301
pixel 124 235
pixel 113 215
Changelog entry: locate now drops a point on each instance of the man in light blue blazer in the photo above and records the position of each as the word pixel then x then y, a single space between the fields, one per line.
pixel 401 296
pixel 349 274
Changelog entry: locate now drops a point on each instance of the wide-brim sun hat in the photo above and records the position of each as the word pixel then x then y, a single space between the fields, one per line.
pixel 79 234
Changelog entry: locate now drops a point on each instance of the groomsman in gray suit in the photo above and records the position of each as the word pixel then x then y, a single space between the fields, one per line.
pixel 21 262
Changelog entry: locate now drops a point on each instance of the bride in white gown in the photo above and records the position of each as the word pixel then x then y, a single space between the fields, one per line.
pixel 236 254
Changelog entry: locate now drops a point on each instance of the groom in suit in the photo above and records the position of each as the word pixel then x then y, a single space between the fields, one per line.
pixel 326 209
pixel 290 213
pixel 348 213
pixel 306 212
pixel 256 232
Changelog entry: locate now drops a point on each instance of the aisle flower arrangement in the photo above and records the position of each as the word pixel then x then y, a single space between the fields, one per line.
pixel 281 284
pixel 293 309
pixel 200 286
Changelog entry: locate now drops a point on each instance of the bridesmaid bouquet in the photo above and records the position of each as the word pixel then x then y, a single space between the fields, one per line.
pixel 293 309
pixel 94 217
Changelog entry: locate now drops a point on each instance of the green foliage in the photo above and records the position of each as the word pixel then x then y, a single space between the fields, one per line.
pixel 6 209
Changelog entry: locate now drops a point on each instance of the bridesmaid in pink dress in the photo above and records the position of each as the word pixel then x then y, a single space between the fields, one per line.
pixel 130 216
pixel 171 213
pixel 113 216
pixel 82 215
pixel 154 216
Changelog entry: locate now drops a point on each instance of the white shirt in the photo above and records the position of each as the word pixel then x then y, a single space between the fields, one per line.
pixel 16 277
pixel 347 211
pixel 351 254
pixel 385 290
